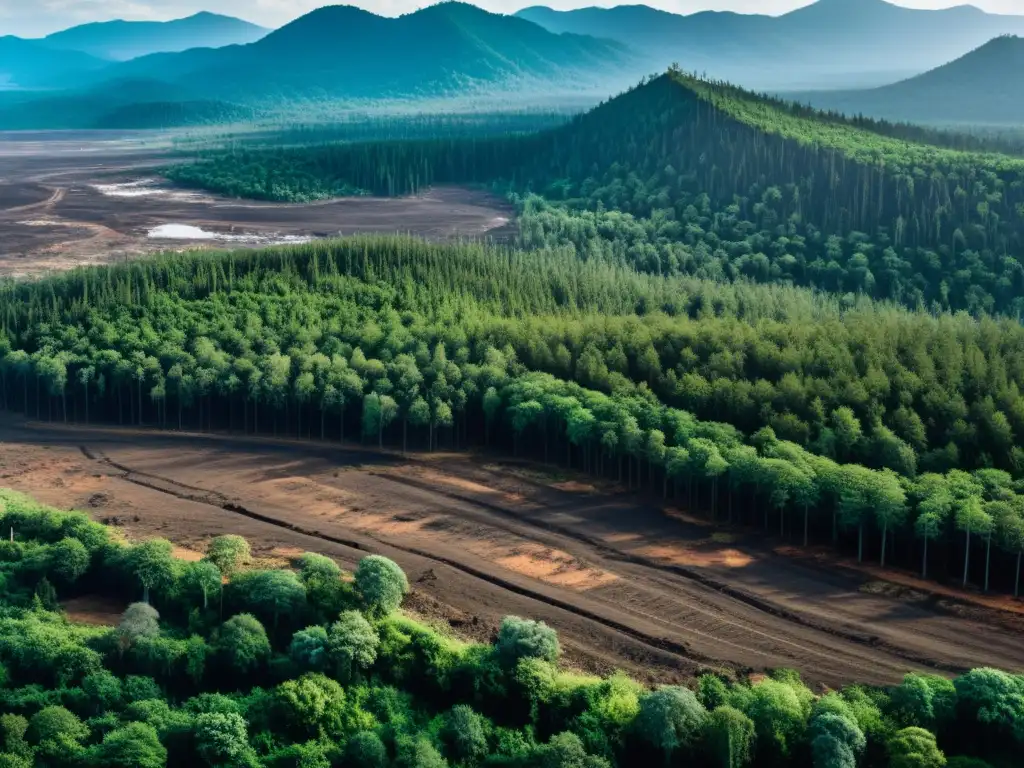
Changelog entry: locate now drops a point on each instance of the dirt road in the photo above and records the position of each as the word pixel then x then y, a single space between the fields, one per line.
pixel 626 585
pixel 68 199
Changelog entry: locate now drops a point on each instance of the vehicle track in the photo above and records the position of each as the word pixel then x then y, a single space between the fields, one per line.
pixel 216 499
pixel 705 581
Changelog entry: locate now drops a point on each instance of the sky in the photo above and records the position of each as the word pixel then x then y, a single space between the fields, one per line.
pixel 29 18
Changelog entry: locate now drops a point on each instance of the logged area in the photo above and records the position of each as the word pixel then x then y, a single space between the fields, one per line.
pixel 628 584
pixel 91 197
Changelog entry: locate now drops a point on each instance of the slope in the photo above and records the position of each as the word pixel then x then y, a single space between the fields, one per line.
pixel 28 64
pixel 979 88
pixel 721 183
pixel 831 43
pixel 342 51
pixel 122 40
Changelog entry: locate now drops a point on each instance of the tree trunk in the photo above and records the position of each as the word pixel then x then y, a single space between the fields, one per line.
pixel 323 426
pixel 988 558
pixel 967 555
pixel 860 543
pixel 1017 581
pixel 405 435
pixel 885 536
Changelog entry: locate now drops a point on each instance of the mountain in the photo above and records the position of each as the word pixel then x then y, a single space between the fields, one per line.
pixel 982 87
pixel 123 40
pixel 342 53
pixel 346 52
pixel 28 64
pixel 829 44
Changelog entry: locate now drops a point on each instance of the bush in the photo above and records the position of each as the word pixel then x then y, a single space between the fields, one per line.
pixel 525 639
pixel 381 584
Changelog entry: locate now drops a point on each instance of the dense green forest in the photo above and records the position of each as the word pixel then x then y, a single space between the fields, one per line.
pixel 223 663
pixel 686 176
pixel 581 362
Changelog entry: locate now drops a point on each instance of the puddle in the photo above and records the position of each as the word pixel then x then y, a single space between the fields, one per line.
pixel 189 232
pixel 149 188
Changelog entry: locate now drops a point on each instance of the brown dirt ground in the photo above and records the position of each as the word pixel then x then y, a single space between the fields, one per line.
pixel 626 585
pixel 53 217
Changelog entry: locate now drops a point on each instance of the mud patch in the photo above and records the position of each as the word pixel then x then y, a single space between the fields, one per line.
pixel 687 556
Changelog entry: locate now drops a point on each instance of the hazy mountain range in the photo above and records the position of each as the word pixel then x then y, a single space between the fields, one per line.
pixel 123 40
pixel 984 87
pixel 832 43
pixel 90 75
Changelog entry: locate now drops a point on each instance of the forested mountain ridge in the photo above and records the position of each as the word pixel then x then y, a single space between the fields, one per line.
pixel 828 44
pixel 686 175
pixel 123 40
pixel 342 54
pixel 977 88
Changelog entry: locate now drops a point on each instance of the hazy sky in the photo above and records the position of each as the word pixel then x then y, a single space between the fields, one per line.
pixel 38 17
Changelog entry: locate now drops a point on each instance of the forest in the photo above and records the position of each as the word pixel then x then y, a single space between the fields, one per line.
pixel 686 176
pixel 225 662
pixel 869 427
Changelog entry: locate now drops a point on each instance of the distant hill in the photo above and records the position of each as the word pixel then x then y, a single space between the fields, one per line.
pixel 342 53
pixel 123 40
pixel 984 87
pixel 829 44
pixel 29 64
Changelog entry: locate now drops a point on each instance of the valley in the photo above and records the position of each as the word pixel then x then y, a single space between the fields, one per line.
pixel 73 199
pixel 436 387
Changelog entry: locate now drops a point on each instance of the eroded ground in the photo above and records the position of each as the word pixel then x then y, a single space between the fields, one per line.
pixel 627 584
pixel 94 197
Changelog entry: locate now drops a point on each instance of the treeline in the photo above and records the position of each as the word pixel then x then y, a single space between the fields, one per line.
pixel 735 183
pixel 580 362
pixel 222 663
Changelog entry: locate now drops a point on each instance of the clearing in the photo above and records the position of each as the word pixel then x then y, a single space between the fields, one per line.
pixel 90 197
pixel 626 583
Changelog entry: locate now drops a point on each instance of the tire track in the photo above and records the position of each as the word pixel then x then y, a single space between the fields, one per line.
pixel 216 499
pixel 859 638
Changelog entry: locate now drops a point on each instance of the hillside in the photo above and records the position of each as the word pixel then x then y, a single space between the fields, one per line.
pixel 342 51
pixel 979 88
pixel 829 44
pixel 29 64
pixel 123 40
pixel 344 54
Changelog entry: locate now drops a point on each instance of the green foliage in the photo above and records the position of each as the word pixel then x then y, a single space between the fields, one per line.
pixel 135 745
pixel 915 748
pixel 671 720
pixel 309 648
pixel 351 645
pixel 243 644
pixel 526 639
pixel 229 553
pixel 222 739
pixel 729 736
pixel 381 584
pixel 366 750
pixel 465 735
pixel 270 593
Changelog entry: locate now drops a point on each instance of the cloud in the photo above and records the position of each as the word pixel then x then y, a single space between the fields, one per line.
pixel 40 17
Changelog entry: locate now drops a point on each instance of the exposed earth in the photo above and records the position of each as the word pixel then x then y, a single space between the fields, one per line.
pixel 73 198
pixel 627 583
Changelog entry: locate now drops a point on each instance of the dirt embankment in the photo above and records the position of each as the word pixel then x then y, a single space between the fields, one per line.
pixel 626 584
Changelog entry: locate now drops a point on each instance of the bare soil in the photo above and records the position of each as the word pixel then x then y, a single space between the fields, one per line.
pixel 627 585
pixel 73 198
